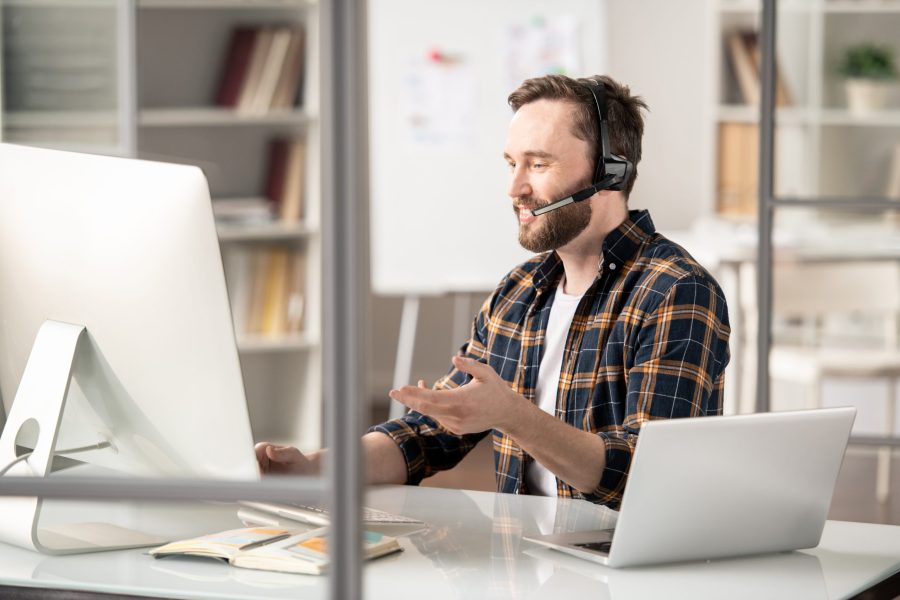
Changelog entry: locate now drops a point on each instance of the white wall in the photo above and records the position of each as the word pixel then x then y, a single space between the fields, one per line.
pixel 661 49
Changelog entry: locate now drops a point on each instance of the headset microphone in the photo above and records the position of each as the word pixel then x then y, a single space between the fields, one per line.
pixel 612 171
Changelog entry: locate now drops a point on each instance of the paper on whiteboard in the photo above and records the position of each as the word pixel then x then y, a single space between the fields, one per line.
pixel 542 46
pixel 439 103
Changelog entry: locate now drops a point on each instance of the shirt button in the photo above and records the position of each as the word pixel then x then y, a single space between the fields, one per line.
pixel 612 266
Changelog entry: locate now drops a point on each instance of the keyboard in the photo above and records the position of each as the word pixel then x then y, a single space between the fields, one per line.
pixel 315 515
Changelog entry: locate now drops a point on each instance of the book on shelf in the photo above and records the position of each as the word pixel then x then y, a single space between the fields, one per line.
pixel 266 287
pixel 273 320
pixel 288 90
pixel 286 177
pixel 273 549
pixel 263 69
pixel 745 57
pixel 262 41
pixel 242 211
pixel 738 169
pixel 237 63
pixel 893 183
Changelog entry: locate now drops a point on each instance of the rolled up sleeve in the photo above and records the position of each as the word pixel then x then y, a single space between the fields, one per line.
pixel 677 370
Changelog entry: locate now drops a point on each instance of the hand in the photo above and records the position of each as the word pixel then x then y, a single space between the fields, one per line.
pixel 283 460
pixel 486 402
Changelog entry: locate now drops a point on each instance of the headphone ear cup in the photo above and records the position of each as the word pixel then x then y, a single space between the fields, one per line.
pixel 620 169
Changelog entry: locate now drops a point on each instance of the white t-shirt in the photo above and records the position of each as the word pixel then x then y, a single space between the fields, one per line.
pixel 541 481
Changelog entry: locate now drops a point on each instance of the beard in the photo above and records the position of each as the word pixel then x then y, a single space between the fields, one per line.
pixel 554 229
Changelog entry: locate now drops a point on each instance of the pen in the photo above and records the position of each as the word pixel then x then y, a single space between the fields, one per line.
pixel 265 541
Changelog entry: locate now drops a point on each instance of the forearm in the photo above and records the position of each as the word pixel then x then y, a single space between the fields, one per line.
pixel 383 460
pixel 576 456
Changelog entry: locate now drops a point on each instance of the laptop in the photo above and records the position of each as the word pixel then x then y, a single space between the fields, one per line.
pixel 719 487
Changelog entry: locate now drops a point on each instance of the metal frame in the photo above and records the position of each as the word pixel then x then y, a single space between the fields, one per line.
pixel 345 292
pixel 126 76
pixel 768 202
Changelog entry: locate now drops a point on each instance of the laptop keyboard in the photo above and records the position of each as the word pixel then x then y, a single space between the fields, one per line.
pixel 596 546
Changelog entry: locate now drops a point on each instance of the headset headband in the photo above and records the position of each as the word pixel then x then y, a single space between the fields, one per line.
pixel 608 164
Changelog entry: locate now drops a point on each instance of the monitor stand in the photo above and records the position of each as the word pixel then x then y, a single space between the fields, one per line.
pixel 34 422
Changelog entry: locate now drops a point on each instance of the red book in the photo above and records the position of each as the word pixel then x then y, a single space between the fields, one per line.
pixel 278 153
pixel 236 66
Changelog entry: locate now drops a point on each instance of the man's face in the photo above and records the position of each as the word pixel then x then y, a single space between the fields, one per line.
pixel 546 163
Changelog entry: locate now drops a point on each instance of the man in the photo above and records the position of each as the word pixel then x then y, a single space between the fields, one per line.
pixel 609 326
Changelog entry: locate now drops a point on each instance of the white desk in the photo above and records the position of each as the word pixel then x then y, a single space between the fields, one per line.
pixel 474 549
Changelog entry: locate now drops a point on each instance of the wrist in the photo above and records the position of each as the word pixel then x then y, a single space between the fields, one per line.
pixel 517 416
pixel 315 461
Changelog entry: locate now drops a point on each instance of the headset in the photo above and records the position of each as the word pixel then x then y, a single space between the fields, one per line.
pixel 612 171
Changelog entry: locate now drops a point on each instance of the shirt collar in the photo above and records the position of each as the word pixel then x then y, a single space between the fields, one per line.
pixel 620 246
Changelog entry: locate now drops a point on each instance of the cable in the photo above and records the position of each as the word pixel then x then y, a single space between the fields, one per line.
pixel 18 459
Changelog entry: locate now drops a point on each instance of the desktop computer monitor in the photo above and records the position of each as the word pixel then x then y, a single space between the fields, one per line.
pixel 126 249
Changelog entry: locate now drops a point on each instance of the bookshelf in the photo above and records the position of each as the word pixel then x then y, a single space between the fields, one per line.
pixel 821 147
pixel 158 72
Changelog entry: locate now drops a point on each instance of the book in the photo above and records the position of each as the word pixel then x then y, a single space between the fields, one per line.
pixel 274 317
pixel 261 45
pixel 893 183
pixel 271 71
pixel 278 155
pixel 751 42
pixel 263 69
pixel 291 74
pixel 273 549
pixel 234 72
pixel 744 69
pixel 291 203
pixel 295 293
pixel 259 266
pixel 242 211
pixel 738 169
pixel 745 57
pixel 267 289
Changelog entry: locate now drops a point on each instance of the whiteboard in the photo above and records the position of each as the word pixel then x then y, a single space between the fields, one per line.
pixel 440 218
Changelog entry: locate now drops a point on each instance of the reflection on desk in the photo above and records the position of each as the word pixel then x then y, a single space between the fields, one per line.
pixel 473 548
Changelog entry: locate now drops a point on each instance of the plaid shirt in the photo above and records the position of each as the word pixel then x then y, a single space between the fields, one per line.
pixel 649 340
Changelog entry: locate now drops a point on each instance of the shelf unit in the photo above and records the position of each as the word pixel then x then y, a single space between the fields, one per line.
pixel 822 149
pixel 166 60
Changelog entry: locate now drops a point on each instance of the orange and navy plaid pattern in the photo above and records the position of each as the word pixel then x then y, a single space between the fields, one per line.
pixel 649 340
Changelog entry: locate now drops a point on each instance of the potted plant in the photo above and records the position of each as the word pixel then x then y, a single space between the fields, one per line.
pixel 869 70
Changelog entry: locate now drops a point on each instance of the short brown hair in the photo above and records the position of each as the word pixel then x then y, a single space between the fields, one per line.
pixel 626 123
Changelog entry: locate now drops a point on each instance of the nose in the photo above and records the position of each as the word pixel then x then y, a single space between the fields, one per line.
pixel 519 186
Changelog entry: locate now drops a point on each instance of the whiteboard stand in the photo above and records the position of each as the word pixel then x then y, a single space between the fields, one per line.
pixel 405 345
pixel 461 320
pixel 409 319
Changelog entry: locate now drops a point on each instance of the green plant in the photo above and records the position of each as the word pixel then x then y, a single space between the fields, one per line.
pixel 868 61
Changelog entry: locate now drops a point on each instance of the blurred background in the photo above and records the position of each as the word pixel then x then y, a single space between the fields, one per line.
pixel 232 86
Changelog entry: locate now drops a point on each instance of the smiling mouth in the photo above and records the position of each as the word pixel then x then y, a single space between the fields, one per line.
pixel 525 215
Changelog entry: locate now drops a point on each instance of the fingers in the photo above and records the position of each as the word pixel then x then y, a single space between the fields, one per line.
pixel 472 367
pixel 416 398
pixel 285 455
pixel 262 458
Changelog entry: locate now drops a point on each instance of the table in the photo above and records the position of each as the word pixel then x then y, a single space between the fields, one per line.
pixel 473 548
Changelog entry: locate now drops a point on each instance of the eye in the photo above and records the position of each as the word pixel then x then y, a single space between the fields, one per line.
pixel 539 165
